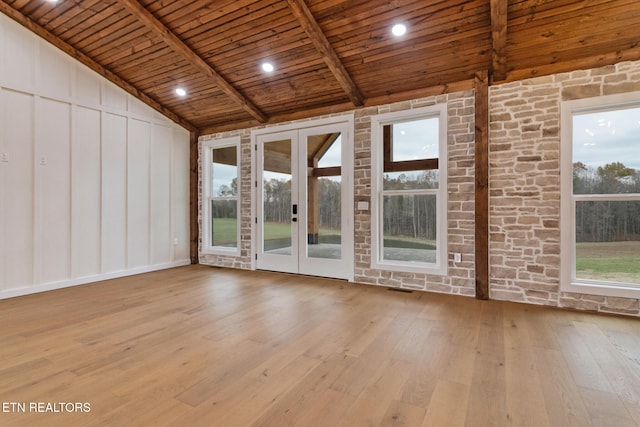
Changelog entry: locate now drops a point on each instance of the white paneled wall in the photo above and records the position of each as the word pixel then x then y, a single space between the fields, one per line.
pixel 93 183
pixel 114 201
pixel 86 212
pixel 52 191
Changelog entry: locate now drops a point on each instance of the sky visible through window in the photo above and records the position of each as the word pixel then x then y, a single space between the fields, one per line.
pixel 333 156
pixel 604 137
pixel 223 175
pixel 416 139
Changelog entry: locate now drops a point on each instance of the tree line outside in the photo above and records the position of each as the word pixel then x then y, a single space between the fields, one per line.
pixel 277 202
pixel 607 231
pixel 405 216
pixel 606 221
pixel 412 217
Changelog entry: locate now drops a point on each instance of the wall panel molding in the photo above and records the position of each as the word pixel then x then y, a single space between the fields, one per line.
pixel 87 193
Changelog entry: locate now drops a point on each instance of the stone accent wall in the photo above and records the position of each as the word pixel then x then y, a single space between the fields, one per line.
pixel 246 188
pixel 524 200
pixel 244 260
pixel 525 185
pixel 461 278
pixel 461 209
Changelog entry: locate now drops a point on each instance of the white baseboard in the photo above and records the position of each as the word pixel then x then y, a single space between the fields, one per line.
pixel 43 287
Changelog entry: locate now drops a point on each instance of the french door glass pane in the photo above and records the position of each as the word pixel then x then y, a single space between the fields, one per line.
pixel 608 241
pixel 276 184
pixel 331 156
pixel 324 195
pixel 325 241
pixel 409 228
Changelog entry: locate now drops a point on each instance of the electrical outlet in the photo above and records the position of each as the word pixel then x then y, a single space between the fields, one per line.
pixel 457 257
pixel 4 157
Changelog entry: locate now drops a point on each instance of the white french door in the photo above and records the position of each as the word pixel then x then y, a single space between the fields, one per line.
pixel 304 201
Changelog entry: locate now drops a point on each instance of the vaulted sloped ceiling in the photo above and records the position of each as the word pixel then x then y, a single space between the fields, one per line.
pixel 329 55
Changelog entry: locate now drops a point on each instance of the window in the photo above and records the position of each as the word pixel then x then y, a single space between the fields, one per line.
pixel 601 196
pixel 221 196
pixel 409 190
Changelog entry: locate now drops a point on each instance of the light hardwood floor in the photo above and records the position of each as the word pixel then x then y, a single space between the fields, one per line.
pixel 202 346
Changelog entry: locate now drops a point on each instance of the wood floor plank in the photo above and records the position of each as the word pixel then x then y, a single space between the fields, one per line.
pixel 447 405
pixel 585 370
pixel 210 346
pixel 327 410
pixel 487 397
pixel 244 401
pixel 426 370
pixel 563 401
pixel 524 399
pixel 385 386
pixel 461 364
pixel 401 413
pixel 231 367
pixel 290 409
pixel 606 409
pixel 624 381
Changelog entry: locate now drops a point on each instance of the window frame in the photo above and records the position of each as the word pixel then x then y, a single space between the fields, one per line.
pixel 378 122
pixel 568 280
pixel 207 198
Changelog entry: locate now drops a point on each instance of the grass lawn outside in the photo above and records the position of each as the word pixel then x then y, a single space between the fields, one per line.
pixel 276 230
pixel 608 261
pixel 225 232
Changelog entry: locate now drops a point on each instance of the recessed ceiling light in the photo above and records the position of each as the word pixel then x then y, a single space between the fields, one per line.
pixel 181 92
pixel 399 30
pixel 267 67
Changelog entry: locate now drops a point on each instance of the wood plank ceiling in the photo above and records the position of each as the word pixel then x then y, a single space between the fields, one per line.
pixel 330 55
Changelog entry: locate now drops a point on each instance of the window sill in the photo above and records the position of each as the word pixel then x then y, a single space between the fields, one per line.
pixel 410 267
pixel 221 251
pixel 613 290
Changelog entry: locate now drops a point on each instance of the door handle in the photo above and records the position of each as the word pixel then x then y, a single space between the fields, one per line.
pixel 294 209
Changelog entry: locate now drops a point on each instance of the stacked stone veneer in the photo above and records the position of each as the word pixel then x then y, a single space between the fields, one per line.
pixel 461 224
pixel 244 260
pixel 524 185
pixel 524 210
pixel 461 213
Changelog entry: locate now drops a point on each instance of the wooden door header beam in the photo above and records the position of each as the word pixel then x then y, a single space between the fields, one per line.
pixel 319 40
pixel 178 46
pixel 93 65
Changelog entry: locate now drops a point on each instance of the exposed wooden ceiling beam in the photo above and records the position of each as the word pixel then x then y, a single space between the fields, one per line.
pixel 319 40
pixel 441 89
pixel 178 46
pixel 499 39
pixel 92 64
